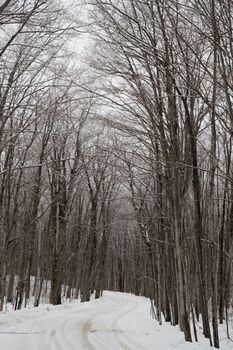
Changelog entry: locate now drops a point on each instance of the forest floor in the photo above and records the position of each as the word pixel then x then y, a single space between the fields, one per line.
pixel 117 321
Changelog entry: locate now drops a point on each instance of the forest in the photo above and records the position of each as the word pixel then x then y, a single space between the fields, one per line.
pixel 116 164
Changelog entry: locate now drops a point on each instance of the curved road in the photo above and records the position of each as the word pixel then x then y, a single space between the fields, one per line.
pixel 112 322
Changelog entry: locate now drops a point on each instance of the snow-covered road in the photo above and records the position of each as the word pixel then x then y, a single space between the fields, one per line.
pixel 115 322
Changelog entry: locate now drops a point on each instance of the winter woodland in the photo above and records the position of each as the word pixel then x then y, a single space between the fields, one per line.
pixel 116 164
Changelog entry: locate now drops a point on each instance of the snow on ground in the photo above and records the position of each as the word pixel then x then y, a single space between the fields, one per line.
pixel 115 322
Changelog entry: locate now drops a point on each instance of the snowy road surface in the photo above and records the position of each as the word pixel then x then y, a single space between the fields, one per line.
pixel 115 322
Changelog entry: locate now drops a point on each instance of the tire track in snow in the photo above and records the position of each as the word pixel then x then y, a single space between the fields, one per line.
pixel 122 344
pixel 125 339
pixel 85 339
pixel 122 340
pixel 87 327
